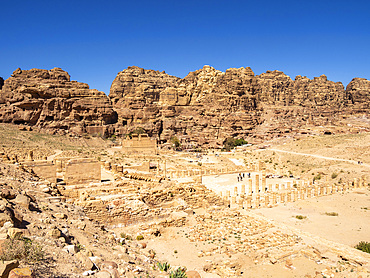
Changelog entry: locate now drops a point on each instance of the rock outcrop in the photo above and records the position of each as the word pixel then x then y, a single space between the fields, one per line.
pixel 358 94
pixel 49 99
pixel 208 105
pixel 203 108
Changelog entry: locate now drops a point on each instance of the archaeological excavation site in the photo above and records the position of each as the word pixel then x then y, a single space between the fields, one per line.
pixel 217 174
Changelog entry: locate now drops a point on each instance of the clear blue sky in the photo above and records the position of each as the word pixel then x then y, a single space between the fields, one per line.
pixel 94 40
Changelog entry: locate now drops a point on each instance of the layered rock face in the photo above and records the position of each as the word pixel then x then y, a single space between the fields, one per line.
pixel 203 108
pixel 358 94
pixel 49 99
pixel 208 105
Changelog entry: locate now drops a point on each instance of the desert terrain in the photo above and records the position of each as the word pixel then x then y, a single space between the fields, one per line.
pixel 217 174
pixel 190 213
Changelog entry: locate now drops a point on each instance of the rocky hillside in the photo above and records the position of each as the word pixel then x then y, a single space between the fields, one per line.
pixel 49 99
pixel 208 105
pixel 204 108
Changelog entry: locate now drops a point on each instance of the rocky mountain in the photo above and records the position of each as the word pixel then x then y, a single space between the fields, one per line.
pixel 208 105
pixel 203 108
pixel 49 99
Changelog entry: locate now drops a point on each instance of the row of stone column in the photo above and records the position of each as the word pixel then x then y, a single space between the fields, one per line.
pixel 267 199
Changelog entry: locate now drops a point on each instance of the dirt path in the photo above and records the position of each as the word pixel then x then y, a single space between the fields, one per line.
pixel 319 156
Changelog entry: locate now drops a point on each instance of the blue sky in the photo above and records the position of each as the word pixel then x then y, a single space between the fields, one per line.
pixel 94 40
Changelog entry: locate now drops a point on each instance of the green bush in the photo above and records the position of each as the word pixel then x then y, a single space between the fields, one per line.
pixel 139 237
pixel 334 175
pixel 231 143
pixel 175 141
pixel 300 217
pixel 363 246
pixel 178 273
pixel 164 266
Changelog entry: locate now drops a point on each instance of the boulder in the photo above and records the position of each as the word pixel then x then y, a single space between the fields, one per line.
pixel 23 200
pixel 192 274
pixel 25 272
pixel 6 267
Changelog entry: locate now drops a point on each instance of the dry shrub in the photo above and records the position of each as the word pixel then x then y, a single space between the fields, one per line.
pixel 21 248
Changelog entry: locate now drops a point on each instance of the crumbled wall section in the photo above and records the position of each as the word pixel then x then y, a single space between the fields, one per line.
pixel 43 169
pixel 141 143
pixel 80 171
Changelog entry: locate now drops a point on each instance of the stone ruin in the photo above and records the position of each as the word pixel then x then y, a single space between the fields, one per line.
pixel 139 143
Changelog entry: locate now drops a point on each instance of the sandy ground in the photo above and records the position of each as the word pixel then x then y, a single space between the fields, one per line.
pixel 351 226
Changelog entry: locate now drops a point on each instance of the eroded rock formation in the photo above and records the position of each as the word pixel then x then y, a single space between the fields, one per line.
pixel 358 93
pixel 49 99
pixel 208 105
pixel 203 108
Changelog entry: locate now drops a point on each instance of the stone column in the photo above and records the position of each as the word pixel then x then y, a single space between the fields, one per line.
pixel 233 199
pixel 258 198
pixel 242 193
pixel 270 187
pixel 289 185
pixel 309 192
pixel 264 182
pixel 274 198
pixel 257 184
pixel 250 184
pixel 235 191
pixel 282 198
pixel 295 195
pixel 289 196
pixel 316 191
pixel 249 202
pixel 267 199
pixel 227 193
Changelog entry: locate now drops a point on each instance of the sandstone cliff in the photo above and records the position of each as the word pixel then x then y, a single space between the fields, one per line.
pixel 358 94
pixel 49 99
pixel 208 105
pixel 203 108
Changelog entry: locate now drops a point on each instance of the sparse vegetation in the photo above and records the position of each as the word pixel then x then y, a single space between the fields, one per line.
pixel 231 143
pixel 334 175
pixel 363 246
pixel 175 142
pixel 331 213
pixel 178 273
pixel 21 248
pixel 164 266
pixel 126 236
pixel 139 237
pixel 300 217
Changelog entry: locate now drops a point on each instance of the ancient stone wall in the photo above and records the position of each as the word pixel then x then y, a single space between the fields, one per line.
pixel 139 144
pixel 44 169
pixel 79 171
